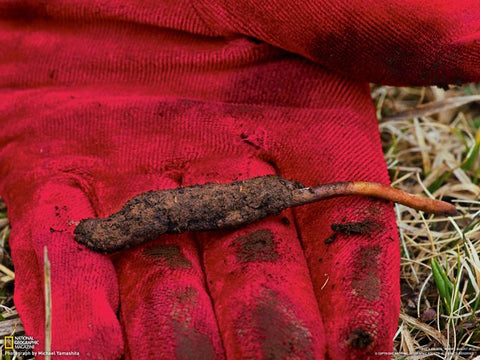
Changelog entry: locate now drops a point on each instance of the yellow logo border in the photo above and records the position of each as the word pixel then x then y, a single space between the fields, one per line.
pixel 8 347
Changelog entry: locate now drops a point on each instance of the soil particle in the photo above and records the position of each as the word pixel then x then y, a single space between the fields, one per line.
pixel 255 140
pixel 330 239
pixel 190 343
pixel 256 246
pixel 359 339
pixel 283 335
pixel 356 228
pixel 52 230
pixel 59 211
pixel 168 255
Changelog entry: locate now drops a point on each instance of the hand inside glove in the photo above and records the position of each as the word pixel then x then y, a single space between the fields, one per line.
pixel 104 100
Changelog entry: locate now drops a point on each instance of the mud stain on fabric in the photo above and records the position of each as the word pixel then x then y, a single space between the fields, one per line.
pixel 284 336
pixel 365 280
pixel 168 255
pixel 190 343
pixel 257 246
pixel 359 339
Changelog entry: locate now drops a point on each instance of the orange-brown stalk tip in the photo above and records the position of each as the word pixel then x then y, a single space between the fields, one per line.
pixel 381 191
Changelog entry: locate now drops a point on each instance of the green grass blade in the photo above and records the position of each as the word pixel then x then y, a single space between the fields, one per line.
pixel 472 158
pixel 437 276
pixel 434 186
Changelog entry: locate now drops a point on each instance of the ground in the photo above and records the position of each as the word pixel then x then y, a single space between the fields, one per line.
pixel 431 140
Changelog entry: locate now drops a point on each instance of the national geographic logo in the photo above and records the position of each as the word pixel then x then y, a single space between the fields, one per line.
pixel 14 345
pixel 19 345
pixel 8 342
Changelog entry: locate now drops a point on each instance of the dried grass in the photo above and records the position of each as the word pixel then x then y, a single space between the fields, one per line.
pixel 431 142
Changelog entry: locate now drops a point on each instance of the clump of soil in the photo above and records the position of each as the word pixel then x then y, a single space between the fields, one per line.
pixel 356 228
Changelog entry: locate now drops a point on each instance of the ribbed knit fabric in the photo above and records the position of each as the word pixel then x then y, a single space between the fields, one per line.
pixel 399 42
pixel 103 100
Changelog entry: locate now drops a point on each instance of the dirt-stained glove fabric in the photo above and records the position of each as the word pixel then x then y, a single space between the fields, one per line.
pixel 399 42
pixel 103 100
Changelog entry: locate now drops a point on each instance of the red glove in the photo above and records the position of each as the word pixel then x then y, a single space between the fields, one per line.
pixel 101 101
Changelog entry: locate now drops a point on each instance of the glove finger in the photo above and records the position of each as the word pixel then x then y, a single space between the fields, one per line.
pixel 166 311
pixel 355 276
pixel 83 283
pixel 258 278
pixel 350 243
